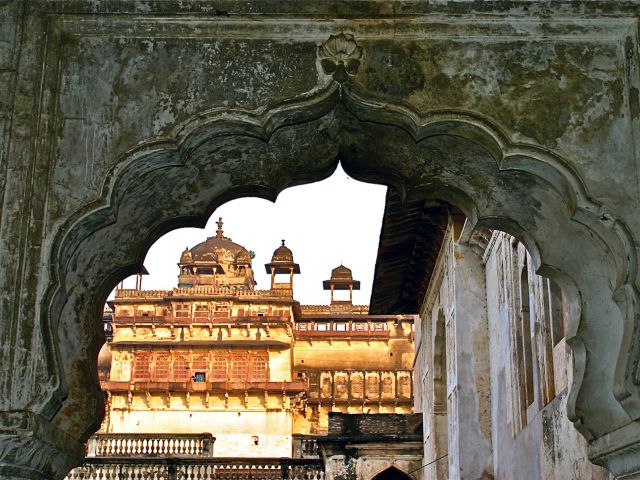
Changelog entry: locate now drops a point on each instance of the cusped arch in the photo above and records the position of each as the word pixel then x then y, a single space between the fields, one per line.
pixel 457 156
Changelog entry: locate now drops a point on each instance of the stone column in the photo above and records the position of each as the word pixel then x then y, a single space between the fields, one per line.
pixel 470 388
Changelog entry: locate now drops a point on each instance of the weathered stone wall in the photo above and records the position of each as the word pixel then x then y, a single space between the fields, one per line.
pixel 547 441
pixel 122 120
pixel 453 368
pixel 481 418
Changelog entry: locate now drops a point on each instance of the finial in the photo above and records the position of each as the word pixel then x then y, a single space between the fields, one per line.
pixel 282 242
pixel 219 231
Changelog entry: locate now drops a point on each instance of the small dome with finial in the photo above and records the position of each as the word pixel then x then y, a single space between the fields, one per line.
pixel 282 254
pixel 282 261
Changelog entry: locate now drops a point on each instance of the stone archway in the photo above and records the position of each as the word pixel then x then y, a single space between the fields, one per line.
pixel 455 155
pixel 457 158
pixel 392 473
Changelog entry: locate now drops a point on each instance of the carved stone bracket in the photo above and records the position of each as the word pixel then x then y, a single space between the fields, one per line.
pixel 340 57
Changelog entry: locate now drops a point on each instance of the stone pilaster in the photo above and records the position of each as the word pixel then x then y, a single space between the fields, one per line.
pixel 470 398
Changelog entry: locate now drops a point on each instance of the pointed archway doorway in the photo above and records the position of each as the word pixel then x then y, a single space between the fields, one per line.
pixel 392 473
pixel 458 157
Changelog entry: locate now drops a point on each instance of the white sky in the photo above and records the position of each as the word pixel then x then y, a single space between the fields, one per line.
pixel 324 223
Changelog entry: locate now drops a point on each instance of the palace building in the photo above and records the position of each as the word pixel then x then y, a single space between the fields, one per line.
pixel 253 368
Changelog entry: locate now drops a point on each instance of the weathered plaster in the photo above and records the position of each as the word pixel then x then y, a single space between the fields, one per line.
pixel 124 124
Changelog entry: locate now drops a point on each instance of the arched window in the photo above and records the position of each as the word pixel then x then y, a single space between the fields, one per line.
pixel 392 473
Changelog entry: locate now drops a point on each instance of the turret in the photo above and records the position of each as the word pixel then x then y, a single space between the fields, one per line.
pixel 341 279
pixel 282 263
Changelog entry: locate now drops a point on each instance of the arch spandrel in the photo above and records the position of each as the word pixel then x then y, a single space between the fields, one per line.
pixel 457 156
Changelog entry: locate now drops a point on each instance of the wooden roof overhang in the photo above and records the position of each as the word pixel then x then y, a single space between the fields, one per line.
pixel 410 239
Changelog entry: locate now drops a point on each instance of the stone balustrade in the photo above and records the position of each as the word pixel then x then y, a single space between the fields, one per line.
pixel 198 469
pixel 144 444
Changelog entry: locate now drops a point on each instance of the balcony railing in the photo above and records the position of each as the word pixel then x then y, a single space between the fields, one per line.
pixel 147 444
pixel 198 469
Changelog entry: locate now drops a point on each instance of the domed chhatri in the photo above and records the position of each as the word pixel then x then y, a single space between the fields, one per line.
pixel 341 279
pixel 217 261
pixel 282 254
pixel 282 264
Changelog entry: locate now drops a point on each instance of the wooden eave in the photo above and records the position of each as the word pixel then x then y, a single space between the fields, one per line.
pixel 410 239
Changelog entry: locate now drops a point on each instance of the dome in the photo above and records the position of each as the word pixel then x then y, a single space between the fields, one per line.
pixel 104 361
pixel 216 249
pixel 341 279
pixel 342 273
pixel 282 254
pixel 218 261
pixel 186 256
pixel 282 261
pixel 243 257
